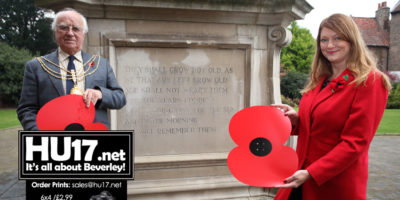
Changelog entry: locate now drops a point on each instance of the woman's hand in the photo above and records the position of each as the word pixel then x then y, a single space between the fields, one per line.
pixel 296 180
pixel 289 111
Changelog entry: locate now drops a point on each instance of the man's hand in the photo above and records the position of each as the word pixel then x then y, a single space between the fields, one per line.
pixel 91 95
pixel 296 180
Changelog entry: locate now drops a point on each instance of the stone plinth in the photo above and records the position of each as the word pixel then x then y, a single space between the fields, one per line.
pixel 187 66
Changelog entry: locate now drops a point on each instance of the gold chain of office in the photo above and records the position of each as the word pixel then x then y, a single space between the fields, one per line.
pixel 70 74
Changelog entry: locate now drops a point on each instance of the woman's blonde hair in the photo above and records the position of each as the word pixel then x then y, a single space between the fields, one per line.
pixel 359 62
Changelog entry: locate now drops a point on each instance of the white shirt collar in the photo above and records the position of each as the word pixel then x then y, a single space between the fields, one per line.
pixel 62 55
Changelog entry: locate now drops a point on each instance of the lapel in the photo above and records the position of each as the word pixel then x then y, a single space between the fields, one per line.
pixel 308 103
pixel 57 83
pixel 88 79
pixel 311 100
pixel 319 96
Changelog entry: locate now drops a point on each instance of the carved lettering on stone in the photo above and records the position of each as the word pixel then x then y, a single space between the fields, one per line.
pixel 180 94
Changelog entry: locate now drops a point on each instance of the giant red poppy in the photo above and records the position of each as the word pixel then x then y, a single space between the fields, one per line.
pixel 261 158
pixel 67 112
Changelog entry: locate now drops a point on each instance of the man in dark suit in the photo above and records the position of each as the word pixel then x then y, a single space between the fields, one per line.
pixel 53 75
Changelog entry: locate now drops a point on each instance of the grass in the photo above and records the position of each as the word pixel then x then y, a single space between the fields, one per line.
pixel 8 118
pixel 390 122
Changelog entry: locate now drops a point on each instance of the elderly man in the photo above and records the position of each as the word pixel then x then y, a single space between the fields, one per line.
pixel 69 70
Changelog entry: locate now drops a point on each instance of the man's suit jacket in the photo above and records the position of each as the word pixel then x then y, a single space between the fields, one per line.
pixel 39 87
pixel 334 131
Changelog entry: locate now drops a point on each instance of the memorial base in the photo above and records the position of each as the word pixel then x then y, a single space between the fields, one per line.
pixel 219 187
pixel 190 176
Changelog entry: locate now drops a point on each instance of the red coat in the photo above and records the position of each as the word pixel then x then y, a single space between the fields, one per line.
pixel 334 131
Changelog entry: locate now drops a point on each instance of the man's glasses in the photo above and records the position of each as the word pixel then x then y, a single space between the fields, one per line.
pixel 65 28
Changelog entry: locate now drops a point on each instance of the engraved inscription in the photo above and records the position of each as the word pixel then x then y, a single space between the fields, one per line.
pixel 180 95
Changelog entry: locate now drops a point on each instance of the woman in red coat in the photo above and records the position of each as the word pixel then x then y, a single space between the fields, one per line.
pixel 339 113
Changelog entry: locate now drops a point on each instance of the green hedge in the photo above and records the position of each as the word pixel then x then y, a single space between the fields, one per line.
pixel 292 83
pixel 394 97
pixel 12 64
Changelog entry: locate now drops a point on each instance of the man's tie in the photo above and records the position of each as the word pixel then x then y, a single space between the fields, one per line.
pixel 71 66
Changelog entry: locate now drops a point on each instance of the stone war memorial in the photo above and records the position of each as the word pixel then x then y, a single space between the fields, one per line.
pixel 187 66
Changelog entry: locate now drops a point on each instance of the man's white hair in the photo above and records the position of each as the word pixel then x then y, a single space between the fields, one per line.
pixel 58 14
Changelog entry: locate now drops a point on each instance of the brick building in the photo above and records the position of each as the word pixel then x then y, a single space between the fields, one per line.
pixel 382 36
pixel 394 50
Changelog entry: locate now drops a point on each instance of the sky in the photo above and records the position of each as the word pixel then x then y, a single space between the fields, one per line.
pixel 325 8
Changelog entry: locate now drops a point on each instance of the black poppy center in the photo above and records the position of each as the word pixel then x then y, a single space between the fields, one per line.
pixel 74 127
pixel 260 146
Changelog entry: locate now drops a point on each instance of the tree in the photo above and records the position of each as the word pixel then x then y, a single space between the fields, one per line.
pixel 25 26
pixel 12 64
pixel 299 54
pixel 292 83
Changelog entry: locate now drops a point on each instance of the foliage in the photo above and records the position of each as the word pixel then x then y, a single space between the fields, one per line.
pixel 12 64
pixel 292 83
pixel 288 101
pixel 299 54
pixel 24 26
pixel 394 97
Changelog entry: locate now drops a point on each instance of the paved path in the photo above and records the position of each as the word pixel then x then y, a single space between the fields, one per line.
pixel 384 170
pixel 10 187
